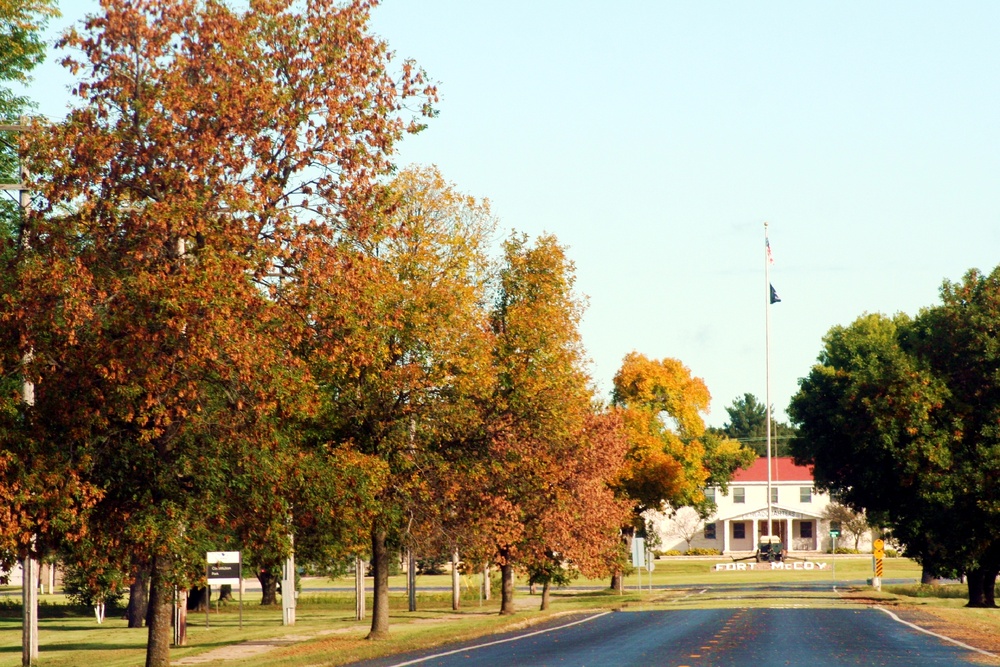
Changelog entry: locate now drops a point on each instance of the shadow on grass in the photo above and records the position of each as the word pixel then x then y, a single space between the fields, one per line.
pixel 52 647
pixel 11 611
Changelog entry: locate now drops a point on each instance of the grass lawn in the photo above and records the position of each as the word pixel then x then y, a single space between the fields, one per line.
pixel 326 632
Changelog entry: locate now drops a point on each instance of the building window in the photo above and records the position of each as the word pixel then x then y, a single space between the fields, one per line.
pixel 739 494
pixel 739 530
pixel 709 531
pixel 710 494
pixel 774 494
pixel 806 529
pixel 805 494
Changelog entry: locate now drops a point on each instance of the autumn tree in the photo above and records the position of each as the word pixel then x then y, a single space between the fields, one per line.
pixel 541 490
pixel 21 49
pixel 577 527
pixel 400 362
pixel 213 151
pixel 671 457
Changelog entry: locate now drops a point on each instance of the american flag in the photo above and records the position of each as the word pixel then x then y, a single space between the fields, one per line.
pixel 767 245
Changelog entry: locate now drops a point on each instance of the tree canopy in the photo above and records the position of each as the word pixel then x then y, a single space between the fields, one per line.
pixel 213 155
pixel 671 458
pixel 899 417
pixel 748 424
pixel 544 483
pixel 21 49
pixel 246 328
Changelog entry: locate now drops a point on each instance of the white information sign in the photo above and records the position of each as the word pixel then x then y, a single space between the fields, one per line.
pixel 224 568
pixel 638 552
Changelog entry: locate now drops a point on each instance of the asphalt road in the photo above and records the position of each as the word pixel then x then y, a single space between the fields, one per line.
pixel 752 637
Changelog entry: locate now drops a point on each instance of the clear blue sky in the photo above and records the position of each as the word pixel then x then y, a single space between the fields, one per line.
pixel 654 139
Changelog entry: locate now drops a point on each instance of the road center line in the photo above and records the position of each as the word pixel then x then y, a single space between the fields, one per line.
pixel 934 634
pixel 499 641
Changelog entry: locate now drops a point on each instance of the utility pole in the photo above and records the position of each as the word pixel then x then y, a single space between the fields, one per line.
pixel 29 565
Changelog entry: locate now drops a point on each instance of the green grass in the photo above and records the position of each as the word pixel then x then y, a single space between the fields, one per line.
pixel 326 632
pixel 945 591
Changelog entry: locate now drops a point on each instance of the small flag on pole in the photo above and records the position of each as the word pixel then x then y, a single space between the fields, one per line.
pixel 767 245
pixel 774 295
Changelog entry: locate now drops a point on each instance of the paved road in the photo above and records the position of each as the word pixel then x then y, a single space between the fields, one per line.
pixel 710 637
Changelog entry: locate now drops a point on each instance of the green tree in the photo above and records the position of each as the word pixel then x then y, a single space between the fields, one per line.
pixel 748 424
pixel 22 23
pixel 896 419
pixel 958 341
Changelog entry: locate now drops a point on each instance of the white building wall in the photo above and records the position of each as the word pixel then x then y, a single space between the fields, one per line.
pixel 790 511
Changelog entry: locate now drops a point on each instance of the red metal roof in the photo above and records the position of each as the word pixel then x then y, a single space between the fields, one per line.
pixel 783 469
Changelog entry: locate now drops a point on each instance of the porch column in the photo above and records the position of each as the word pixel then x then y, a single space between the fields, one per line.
pixel 753 534
pixel 788 528
pixel 725 536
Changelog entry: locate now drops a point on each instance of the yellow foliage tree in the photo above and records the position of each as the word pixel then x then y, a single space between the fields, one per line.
pixel 671 457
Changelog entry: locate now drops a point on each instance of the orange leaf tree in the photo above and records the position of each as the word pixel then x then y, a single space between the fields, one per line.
pixel 671 458
pixel 543 495
pixel 31 488
pixel 213 151
pixel 399 365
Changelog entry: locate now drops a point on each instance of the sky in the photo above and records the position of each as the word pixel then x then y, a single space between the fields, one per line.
pixel 656 139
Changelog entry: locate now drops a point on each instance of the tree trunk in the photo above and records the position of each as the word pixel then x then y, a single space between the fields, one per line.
pixel 225 593
pixel 161 606
pixel 977 592
pixel 616 581
pixel 199 598
pixel 380 573
pixel 928 578
pixel 990 586
pixel 268 586
pixel 545 596
pixel 617 578
pixel 507 589
pixel 138 598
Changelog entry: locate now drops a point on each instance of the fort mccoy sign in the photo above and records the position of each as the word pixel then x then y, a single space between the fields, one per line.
pixel 797 566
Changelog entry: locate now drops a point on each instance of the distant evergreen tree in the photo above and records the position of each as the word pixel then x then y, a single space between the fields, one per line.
pixel 748 424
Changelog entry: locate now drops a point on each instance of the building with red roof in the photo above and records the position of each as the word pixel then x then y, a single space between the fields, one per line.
pixel 740 519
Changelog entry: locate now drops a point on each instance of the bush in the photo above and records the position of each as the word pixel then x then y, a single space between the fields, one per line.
pixel 702 552
pixel 88 587
pixel 891 553
pixel 668 552
pixel 846 550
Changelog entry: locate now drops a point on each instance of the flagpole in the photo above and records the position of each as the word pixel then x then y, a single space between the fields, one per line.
pixel 767 364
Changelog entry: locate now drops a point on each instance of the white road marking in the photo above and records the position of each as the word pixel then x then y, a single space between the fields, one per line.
pixel 499 641
pixel 934 634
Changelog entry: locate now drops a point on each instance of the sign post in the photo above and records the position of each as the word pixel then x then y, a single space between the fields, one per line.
pixel 224 567
pixel 834 534
pixel 639 557
pixel 878 553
